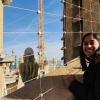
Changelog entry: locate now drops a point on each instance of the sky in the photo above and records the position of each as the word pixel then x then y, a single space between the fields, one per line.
pixel 21 27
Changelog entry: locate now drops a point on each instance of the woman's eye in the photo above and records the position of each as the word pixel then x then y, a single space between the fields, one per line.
pixel 91 43
pixel 85 43
pixel 88 43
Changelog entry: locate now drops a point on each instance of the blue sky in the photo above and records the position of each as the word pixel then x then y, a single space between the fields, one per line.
pixel 21 27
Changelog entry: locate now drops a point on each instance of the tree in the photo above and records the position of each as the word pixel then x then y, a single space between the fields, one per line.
pixel 29 68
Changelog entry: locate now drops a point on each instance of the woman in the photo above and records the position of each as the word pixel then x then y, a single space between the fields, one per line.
pixel 90 62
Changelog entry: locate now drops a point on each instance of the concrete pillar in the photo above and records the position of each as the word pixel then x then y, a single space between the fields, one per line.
pixel 20 82
pixel 1 27
pixel 3 89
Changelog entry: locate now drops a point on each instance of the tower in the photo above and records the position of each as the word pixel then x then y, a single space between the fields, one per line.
pixel 79 17
pixel 3 90
pixel 41 44
pixel 2 2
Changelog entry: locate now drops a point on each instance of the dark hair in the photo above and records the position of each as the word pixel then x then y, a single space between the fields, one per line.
pixel 82 55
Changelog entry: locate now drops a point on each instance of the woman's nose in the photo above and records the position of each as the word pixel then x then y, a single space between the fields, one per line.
pixel 89 45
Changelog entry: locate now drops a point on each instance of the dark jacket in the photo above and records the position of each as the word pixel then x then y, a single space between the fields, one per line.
pixel 90 88
pixel 91 78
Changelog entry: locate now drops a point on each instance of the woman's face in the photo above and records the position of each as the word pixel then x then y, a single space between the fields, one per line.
pixel 90 44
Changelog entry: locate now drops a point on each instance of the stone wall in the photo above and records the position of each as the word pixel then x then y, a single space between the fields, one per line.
pixel 79 19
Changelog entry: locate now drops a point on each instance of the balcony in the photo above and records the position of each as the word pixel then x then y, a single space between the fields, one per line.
pixel 64 16
pixel 63 48
pixel 63 1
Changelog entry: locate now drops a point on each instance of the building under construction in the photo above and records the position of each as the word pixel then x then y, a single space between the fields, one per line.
pixel 79 17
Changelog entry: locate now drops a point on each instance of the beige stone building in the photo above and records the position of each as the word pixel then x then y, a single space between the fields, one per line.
pixel 79 17
pixel 3 90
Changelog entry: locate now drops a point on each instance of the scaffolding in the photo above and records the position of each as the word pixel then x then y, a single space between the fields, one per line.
pixel 41 43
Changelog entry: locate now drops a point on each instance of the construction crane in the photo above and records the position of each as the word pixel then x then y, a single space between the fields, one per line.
pixel 41 43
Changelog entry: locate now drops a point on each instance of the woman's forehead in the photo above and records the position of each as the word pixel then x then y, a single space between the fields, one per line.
pixel 89 37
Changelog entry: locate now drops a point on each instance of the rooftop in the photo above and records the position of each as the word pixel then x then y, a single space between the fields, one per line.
pixel 50 87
